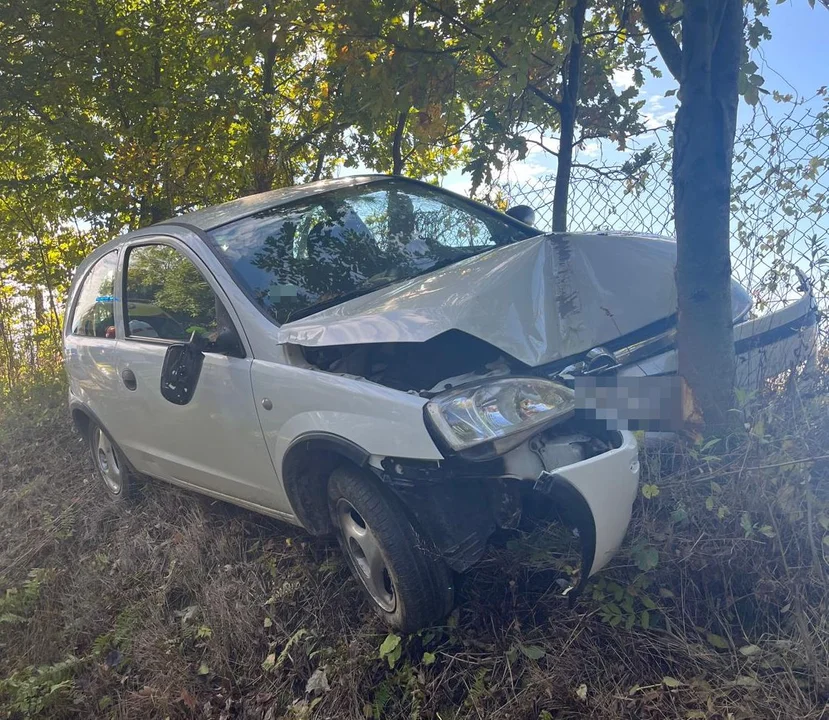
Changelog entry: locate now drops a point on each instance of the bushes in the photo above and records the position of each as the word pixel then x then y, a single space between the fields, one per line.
pixel 184 607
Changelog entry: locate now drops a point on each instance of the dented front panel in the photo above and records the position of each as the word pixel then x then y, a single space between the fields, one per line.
pixel 537 300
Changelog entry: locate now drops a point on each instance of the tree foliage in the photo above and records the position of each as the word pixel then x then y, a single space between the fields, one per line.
pixel 115 114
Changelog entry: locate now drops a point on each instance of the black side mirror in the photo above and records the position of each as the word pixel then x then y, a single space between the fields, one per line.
pixel 180 372
pixel 522 213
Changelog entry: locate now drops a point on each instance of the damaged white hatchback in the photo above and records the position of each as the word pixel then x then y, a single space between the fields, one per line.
pixel 377 358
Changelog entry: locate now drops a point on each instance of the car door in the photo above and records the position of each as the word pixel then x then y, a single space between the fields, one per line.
pixel 90 344
pixel 214 442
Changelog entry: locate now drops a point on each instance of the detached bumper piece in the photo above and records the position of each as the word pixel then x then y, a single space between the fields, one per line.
pixel 458 505
pixel 597 496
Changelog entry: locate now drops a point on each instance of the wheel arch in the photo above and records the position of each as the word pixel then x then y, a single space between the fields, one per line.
pixel 306 468
pixel 83 417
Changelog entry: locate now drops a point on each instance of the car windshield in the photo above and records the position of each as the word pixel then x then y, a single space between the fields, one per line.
pixel 300 258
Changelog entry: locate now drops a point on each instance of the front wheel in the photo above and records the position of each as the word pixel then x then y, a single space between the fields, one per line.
pixel 408 585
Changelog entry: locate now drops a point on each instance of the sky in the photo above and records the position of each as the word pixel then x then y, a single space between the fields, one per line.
pixel 795 60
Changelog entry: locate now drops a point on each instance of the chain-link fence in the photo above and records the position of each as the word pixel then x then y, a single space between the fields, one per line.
pixel 780 199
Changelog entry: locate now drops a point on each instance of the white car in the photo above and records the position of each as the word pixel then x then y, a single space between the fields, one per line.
pixel 384 360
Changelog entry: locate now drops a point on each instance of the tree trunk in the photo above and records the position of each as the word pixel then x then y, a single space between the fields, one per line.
pixel 570 86
pixel 703 148
pixel 397 161
pixel 263 126
pixel 564 167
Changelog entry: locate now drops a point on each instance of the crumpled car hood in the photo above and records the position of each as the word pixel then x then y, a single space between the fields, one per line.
pixel 538 300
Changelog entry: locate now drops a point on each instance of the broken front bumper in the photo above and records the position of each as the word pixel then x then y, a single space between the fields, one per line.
pixel 458 505
pixel 597 494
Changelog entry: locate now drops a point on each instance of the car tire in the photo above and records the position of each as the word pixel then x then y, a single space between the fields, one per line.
pixel 408 585
pixel 109 463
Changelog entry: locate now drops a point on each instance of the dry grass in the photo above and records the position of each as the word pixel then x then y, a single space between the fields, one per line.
pixel 171 606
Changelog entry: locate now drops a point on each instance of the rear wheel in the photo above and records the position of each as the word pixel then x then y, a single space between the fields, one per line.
pixel 408 585
pixel 109 463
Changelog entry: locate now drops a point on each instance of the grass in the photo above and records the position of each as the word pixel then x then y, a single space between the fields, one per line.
pixel 179 606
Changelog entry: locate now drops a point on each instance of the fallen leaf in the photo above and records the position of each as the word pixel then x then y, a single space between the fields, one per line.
pixel 188 699
pixel 718 641
pixel 533 652
pixel 317 681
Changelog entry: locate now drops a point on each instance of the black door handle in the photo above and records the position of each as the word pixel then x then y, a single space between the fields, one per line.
pixel 128 376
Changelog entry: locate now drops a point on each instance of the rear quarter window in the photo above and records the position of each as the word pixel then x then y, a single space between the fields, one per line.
pixel 94 313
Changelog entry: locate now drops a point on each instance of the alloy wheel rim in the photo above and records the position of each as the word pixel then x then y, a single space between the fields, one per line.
pixel 107 462
pixel 366 557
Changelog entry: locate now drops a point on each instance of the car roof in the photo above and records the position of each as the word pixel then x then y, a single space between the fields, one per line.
pixel 212 217
pixel 215 216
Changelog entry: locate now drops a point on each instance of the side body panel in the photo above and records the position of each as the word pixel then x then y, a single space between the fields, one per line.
pixel 214 442
pixel 380 420
pixel 92 368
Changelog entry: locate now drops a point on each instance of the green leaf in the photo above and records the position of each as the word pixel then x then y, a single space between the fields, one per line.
pixel 650 491
pixel 749 650
pixel 645 619
pixel 718 641
pixel 533 652
pixel 203 669
pixel 745 523
pixel 428 658
pixel 680 514
pixel 388 645
pixel 647 558
pixel 269 662
pixel 671 682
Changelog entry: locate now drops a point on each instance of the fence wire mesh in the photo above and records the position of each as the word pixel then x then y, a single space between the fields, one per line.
pixel 780 200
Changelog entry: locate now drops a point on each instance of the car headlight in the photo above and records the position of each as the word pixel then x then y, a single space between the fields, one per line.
pixel 498 413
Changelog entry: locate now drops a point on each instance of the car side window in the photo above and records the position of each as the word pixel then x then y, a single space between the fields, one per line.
pixel 94 314
pixel 167 297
